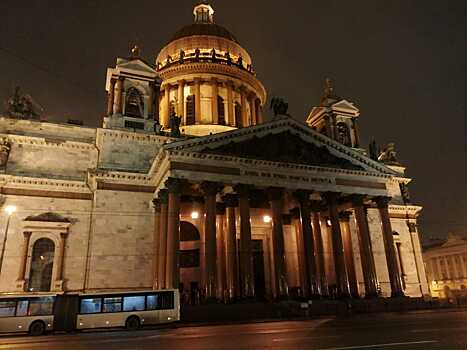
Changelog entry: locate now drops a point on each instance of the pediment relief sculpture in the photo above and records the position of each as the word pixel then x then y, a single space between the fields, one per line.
pixel 285 147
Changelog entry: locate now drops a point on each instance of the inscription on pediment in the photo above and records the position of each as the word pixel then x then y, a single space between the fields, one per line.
pixel 285 147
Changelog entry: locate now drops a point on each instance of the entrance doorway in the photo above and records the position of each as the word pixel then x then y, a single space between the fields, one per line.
pixel 258 268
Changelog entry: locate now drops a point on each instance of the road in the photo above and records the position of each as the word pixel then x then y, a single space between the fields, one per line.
pixel 417 330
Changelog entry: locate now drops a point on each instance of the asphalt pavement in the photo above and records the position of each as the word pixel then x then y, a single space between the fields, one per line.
pixel 413 330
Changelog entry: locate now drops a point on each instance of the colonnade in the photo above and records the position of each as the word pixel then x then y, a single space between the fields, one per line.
pixel 228 272
pixel 246 97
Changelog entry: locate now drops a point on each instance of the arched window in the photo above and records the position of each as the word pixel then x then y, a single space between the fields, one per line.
pixel 134 106
pixel 40 277
pixel 188 232
pixel 238 115
pixel 190 110
pixel 343 134
pixel 221 110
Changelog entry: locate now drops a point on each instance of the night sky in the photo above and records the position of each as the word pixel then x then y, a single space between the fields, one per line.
pixel 402 62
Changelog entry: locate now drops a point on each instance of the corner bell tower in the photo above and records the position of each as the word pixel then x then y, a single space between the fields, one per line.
pixel 335 117
pixel 132 94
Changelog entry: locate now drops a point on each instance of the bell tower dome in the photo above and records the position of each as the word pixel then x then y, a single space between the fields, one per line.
pixel 208 78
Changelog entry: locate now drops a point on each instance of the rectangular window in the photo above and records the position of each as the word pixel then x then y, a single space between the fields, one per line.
pixel 133 303
pixel 22 308
pixel 151 302
pixel 7 308
pixel 91 305
pixel 41 306
pixel 166 300
pixel 134 125
pixel 112 304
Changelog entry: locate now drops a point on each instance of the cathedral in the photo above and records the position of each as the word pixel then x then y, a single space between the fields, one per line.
pixel 187 185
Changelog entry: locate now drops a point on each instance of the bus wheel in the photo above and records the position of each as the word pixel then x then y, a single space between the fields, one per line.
pixel 132 323
pixel 37 328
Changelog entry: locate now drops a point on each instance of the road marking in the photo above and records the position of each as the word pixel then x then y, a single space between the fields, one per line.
pixel 382 345
pixel 300 338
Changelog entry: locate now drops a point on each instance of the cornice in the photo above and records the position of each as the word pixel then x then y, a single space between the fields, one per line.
pixel 128 135
pixel 49 142
pixel 12 181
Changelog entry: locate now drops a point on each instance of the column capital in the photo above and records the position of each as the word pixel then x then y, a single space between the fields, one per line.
pixel 64 235
pixel 242 189
pixel 382 201
pixel 220 208
pixel 275 193
pixel 164 196
pixel 174 185
pixel 156 202
pixel 121 78
pixel 345 215
pixel 211 188
pixel 317 206
pixel 27 234
pixel 331 197
pixel 357 199
pixel 230 200
pixel 303 196
pixel 181 81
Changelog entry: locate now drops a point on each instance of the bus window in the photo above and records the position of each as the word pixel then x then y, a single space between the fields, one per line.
pixel 151 302
pixel 133 303
pixel 41 306
pixel 90 306
pixel 7 308
pixel 22 308
pixel 166 300
pixel 112 304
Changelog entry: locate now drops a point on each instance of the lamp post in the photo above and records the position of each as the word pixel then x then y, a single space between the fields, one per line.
pixel 9 210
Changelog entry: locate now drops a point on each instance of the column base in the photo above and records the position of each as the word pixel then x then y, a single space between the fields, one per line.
pixel 58 285
pixel 398 295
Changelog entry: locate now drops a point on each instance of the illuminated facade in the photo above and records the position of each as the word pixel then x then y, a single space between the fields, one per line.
pixel 234 207
pixel 446 267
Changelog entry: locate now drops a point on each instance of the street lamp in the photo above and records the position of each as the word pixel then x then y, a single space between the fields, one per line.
pixel 9 210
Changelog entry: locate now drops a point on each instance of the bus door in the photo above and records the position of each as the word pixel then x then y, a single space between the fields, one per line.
pixel 65 310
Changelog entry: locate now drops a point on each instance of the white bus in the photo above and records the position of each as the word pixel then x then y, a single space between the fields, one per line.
pixel 27 313
pixel 37 314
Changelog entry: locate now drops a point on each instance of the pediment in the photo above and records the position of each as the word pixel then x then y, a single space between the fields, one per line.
pixel 137 65
pixel 346 106
pixel 284 140
pixel 47 217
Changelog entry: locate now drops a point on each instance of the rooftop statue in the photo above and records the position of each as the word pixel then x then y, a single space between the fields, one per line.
pixel 5 148
pixel 389 155
pixel 22 106
pixel 279 106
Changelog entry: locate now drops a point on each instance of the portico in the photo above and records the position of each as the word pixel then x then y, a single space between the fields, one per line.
pixel 260 195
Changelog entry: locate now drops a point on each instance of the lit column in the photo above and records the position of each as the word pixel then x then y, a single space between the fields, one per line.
pixel 342 281
pixel 173 233
pixel 280 280
pixel 246 263
pixel 243 103
pixel 453 261
pixel 391 257
pixel 210 190
pixel 61 258
pixel 322 285
pixel 464 275
pixel 366 254
pixel 166 116
pixel 156 242
pixel 214 106
pixel 110 97
pixel 259 113
pixel 24 256
pixel 297 223
pixel 197 101
pixel 220 250
pixel 155 101
pixel 181 100
pixel 348 253
pixel 231 202
pixel 164 198
pixel 230 105
pixel 312 282
pixel 252 103
pixel 118 107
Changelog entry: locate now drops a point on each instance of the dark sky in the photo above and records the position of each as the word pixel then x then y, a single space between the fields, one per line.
pixel 402 62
